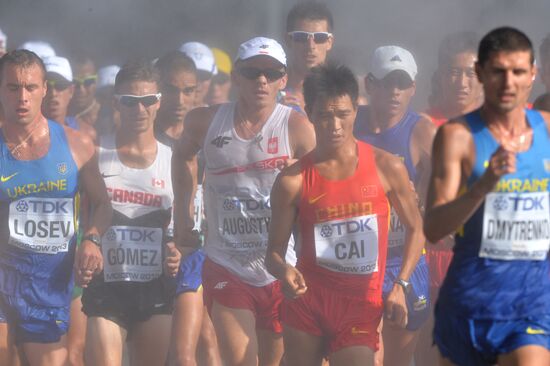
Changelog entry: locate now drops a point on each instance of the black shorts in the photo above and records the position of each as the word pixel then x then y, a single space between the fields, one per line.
pixel 127 303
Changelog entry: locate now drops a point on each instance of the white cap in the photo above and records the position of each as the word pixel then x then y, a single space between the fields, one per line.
pixel 42 49
pixel 3 40
pixel 390 58
pixel 201 55
pixel 261 46
pixel 106 75
pixel 60 66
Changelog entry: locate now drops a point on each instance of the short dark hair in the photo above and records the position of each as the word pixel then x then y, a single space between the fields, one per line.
pixel 329 81
pixel 310 10
pixel 140 70
pixel 505 39
pixel 545 50
pixel 175 61
pixel 456 43
pixel 22 58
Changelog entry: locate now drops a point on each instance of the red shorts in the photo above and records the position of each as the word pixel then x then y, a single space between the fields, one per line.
pixel 438 262
pixel 341 320
pixel 228 290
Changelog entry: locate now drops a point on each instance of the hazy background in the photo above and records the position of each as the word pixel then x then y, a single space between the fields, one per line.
pixel 113 31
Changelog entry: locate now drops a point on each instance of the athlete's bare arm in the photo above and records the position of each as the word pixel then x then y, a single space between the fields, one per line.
pixel 452 160
pixel 89 260
pixel 421 151
pixel 285 198
pixel 394 178
pixel 184 174
pixel 301 135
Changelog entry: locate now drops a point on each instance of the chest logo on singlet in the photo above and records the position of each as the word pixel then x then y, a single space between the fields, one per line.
pixel 220 141
pixel 546 163
pixel 5 179
pixel 62 168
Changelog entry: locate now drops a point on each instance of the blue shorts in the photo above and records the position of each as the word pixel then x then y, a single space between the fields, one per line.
pixel 189 278
pixel 418 299
pixel 34 324
pixel 473 342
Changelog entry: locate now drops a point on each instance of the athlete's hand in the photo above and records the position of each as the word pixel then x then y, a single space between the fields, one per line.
pixel 172 260
pixel 396 307
pixel 502 162
pixel 293 283
pixel 88 262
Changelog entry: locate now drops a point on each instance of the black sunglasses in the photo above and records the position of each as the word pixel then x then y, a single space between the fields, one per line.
pixel 252 73
pixel 303 37
pixel 86 81
pixel 133 100
pixel 58 85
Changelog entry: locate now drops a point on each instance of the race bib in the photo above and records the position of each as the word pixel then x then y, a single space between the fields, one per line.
pixel 396 234
pixel 244 222
pixel 132 254
pixel 198 203
pixel 516 226
pixel 348 245
pixel 42 225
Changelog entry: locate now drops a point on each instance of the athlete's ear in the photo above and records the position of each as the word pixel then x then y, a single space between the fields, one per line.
pixel 478 69
pixel 45 89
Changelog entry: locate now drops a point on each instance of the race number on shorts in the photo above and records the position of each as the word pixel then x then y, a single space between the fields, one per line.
pixel 516 226
pixel 348 245
pixel 132 253
pixel 42 225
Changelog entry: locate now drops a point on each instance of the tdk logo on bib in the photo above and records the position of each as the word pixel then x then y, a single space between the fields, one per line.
pixel 347 227
pixel 43 207
pixel 248 204
pixel 134 235
pixel 519 203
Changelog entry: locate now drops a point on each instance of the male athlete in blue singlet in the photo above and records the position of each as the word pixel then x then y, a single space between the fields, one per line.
pixel 42 164
pixel 490 183
pixel 389 124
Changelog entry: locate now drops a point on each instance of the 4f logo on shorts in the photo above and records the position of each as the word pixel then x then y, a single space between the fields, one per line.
pixel 220 141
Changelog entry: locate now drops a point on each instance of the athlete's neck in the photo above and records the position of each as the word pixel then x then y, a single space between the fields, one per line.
pixel 514 120
pixel 380 120
pixel 339 162
pixel 17 132
pixel 171 127
pixel 137 150
pixel 450 109
pixel 253 114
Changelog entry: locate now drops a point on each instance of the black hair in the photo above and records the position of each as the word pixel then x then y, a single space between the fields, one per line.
pixel 505 39
pixel 456 43
pixel 310 10
pixel 329 81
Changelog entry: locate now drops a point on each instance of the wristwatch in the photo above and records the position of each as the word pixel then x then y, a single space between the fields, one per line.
pixel 405 284
pixel 94 238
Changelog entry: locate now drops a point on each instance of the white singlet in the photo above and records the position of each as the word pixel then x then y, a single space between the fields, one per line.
pixel 142 202
pixel 237 186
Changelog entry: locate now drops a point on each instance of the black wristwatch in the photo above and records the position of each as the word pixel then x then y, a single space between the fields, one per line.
pixel 405 284
pixel 94 238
